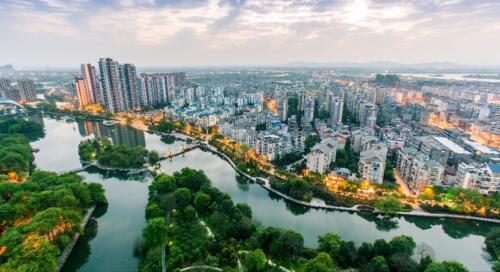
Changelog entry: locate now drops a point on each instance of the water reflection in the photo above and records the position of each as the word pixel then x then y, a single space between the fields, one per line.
pixel 381 223
pixel 119 175
pixel 111 248
pixel 451 239
pixel 117 133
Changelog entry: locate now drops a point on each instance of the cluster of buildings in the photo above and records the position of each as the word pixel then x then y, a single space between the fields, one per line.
pixel 118 87
pixel 276 140
pixel 23 91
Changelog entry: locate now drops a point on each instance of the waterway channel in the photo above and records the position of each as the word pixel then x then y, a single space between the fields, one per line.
pixel 107 244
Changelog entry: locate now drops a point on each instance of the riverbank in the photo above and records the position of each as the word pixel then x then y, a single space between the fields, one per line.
pixel 320 204
pixel 111 233
pixel 315 203
pixel 67 251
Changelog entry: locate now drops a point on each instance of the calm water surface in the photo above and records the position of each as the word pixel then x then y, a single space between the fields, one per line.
pixel 107 244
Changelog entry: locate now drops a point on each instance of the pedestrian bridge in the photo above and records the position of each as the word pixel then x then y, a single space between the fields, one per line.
pixel 6 101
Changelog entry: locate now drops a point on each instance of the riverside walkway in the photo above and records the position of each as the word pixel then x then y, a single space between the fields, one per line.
pixel 67 251
pixel 320 204
pixel 179 151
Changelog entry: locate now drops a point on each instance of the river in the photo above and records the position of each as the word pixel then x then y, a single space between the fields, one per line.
pixel 107 244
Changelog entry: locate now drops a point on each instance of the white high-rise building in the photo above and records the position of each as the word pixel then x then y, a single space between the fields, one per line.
pixel 112 89
pixel 282 108
pixel 336 110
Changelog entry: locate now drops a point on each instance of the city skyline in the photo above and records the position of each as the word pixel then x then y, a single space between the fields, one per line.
pixel 229 33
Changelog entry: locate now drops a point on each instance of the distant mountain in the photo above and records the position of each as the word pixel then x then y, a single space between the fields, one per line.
pixel 400 67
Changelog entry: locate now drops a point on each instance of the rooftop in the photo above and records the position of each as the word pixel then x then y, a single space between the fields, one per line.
pixel 455 148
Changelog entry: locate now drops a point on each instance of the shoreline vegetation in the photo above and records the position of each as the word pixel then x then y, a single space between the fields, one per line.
pixel 110 155
pixel 198 225
pixel 348 193
pixel 40 212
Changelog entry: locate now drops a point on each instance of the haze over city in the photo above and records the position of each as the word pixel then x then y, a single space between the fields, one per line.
pixel 158 33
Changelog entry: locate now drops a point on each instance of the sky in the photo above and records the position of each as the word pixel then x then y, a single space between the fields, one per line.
pixel 160 33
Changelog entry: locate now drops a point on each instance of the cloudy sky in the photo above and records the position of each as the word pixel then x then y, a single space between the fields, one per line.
pixel 63 33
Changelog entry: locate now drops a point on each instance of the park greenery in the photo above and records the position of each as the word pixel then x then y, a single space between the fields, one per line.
pixel 390 205
pixel 198 225
pixel 310 142
pixel 17 125
pixel 351 192
pixel 261 127
pixel 168 139
pixel 16 158
pixel 492 242
pixel 287 159
pixel 460 201
pixel 50 107
pixel 346 158
pixel 38 218
pixel 116 156
pixel 170 126
pixel 300 187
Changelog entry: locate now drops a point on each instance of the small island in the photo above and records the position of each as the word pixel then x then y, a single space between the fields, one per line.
pixel 110 155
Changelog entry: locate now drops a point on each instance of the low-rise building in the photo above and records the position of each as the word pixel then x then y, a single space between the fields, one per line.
pixel 483 177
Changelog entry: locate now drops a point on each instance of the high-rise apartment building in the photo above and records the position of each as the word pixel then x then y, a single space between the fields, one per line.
pixel 26 89
pixel 7 91
pixel 159 88
pixel 82 93
pixel 367 114
pixel 282 108
pixel 336 110
pixel 112 87
pixel 92 84
pixel 129 83
pixel 5 84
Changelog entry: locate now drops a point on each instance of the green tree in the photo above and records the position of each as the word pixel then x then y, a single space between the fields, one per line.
pixel 97 193
pixel 35 254
pixel 155 233
pixel 424 263
pixel 190 178
pixel 153 157
pixel 382 248
pixel 377 264
pixel 163 183
pixel 330 243
pixel 153 210
pixel 310 141
pixel 321 263
pixel 202 202
pixel 446 266
pixel 255 260
pixel 402 262
pixel 182 197
pixel 403 244
pixel 388 205
pixel 492 242
pixel 288 245
pixel 260 127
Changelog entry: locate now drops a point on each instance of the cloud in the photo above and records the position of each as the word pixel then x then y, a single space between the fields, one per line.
pixel 295 27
